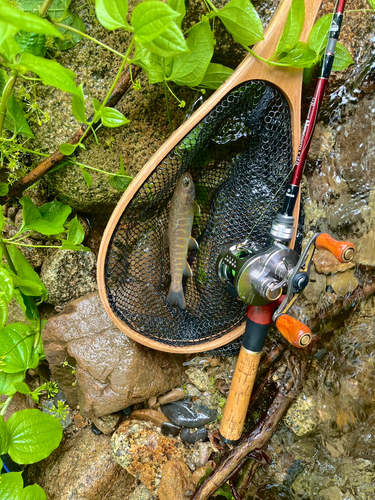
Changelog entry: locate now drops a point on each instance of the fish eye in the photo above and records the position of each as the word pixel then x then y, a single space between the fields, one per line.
pixel 186 182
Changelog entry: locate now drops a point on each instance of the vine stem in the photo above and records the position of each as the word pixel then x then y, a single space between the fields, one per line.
pixel 45 7
pixel 81 33
pixel 6 94
pixel 7 256
pixel 5 407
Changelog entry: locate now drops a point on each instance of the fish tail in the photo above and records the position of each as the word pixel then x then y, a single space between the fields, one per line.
pixel 176 298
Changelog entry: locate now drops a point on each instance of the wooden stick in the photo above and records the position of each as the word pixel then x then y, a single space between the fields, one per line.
pixel 57 157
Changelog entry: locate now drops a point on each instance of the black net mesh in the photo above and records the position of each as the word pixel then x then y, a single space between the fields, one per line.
pixel 240 157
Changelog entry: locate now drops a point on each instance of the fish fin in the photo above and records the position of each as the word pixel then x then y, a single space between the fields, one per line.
pixel 187 271
pixel 166 238
pixel 197 209
pixel 193 245
pixel 176 298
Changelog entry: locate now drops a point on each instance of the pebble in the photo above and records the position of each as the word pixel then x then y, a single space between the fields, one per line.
pixel 95 430
pixel 172 396
pixel 79 421
pixel 186 414
pixel 200 434
pixel 169 429
pixel 107 423
pixel 199 378
pixel 193 391
pixel 152 401
pixel 147 415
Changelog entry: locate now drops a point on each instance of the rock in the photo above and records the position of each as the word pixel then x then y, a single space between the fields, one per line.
pixel 343 283
pixel 79 421
pixel 68 275
pixel 186 414
pixel 15 314
pixel 142 493
pixel 302 416
pixel 200 454
pixel 365 250
pixel 326 263
pixel 112 371
pixel 154 416
pixel 171 396
pixel 107 423
pixel 140 449
pixel 82 468
pixel 334 493
pixel 169 429
pixel 199 378
pixel 200 434
pixel 193 391
pixel 175 481
pixel 152 401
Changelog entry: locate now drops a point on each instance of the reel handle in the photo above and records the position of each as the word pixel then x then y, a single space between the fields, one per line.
pixel 295 332
pixel 344 251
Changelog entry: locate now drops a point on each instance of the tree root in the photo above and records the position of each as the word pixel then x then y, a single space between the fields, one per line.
pixel 57 157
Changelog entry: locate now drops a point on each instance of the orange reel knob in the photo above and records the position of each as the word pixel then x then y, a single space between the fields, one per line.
pixel 344 251
pixel 295 332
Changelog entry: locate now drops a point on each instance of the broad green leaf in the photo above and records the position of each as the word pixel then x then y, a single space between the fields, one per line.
pixel 25 271
pixel 76 233
pixel 6 30
pixel 122 179
pixel 66 245
pixel 25 21
pixel 9 48
pixel 189 68
pixel 178 6
pixel 48 219
pixel 86 176
pixel 169 43
pixel 3 312
pixel 111 117
pixel 6 285
pixel 31 42
pixel 149 20
pixel 22 388
pixel 319 34
pixel 4 437
pixel 300 57
pixel 67 149
pixel 11 486
pixel 33 492
pixel 112 13
pixel 4 188
pixel 28 287
pixel 17 117
pixel 57 11
pixel 293 27
pixel 70 38
pixel 55 212
pixel 151 63
pixel 7 380
pixel 33 436
pixel 372 3
pixel 242 21
pixel 343 58
pixel 27 305
pixel 96 104
pixel 215 76
pixel 51 72
pixel 16 348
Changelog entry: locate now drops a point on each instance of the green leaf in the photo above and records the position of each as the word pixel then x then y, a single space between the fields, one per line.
pixel 215 76
pixel 6 285
pixel 33 436
pixel 151 63
pixel 122 179
pixel 112 14
pixel 51 72
pixel 25 21
pixel 4 438
pixel 48 219
pixel 6 31
pixel 300 57
pixel 9 48
pixel 293 27
pixel 27 305
pixel 28 287
pixel 189 68
pixel 86 176
pixel 343 58
pixel 76 233
pixel 113 118
pixel 11 486
pixel 1 228
pixel 66 245
pixel 55 212
pixel 57 11
pixel 3 312
pixel 31 42
pixel 178 6
pixel 4 188
pixel 319 34
pixel 17 117
pixel 16 348
pixel 70 38
pixel 7 381
pixel 150 19
pixel 22 388
pixel 169 43
pixel 96 104
pixel 67 149
pixel 25 271
pixel 33 492
pixel 242 21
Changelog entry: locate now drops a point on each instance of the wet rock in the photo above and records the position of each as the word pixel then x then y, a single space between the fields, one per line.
pixel 140 449
pixel 49 406
pixel 169 429
pixel 199 378
pixel 142 493
pixel 200 455
pixel 193 391
pixel 152 401
pixel 193 437
pixel 107 423
pixel 343 283
pixel 186 414
pixel 68 275
pixel 112 371
pixel 82 468
pixel 15 314
pixel 175 481
pixel 326 263
pixel 334 493
pixel 365 250
pixel 171 396
pixel 154 416
pixel 302 416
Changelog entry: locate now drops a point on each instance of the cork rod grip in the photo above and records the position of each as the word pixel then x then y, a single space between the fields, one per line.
pixel 344 251
pixel 239 396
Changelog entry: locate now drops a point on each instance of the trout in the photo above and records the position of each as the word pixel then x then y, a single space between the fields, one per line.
pixel 181 218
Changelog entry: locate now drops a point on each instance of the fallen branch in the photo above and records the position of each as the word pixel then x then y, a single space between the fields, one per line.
pixel 57 157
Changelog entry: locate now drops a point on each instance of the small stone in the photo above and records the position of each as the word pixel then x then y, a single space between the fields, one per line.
pixel 175 480
pixel 365 250
pixel 142 493
pixel 79 421
pixel 152 401
pixel 154 416
pixel 343 283
pixel 200 454
pixel 186 414
pixel 202 471
pixel 95 430
pixel 326 263
pixel 200 434
pixel 172 396
pixel 107 423
pixel 193 391
pixel 169 429
pixel 302 417
pixel 332 493
pixel 198 377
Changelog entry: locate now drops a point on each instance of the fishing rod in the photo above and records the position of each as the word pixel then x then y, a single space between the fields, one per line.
pixel 269 279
